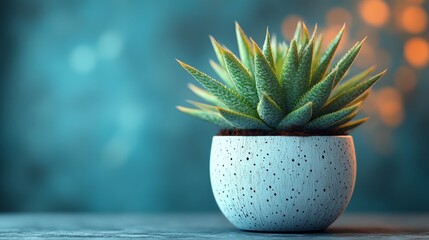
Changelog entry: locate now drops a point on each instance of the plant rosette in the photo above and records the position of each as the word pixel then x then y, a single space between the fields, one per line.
pixel 284 161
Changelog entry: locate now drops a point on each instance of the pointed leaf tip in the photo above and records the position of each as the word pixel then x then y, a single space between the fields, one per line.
pixel 313 35
pixel 304 27
pixel 228 96
pixel 267 32
pixel 321 69
pixel 209 116
pixel 218 50
pixel 347 60
pixel 347 127
pixel 269 111
pixel 245 49
pixel 214 41
pixel 267 51
pixel 184 65
pixel 237 25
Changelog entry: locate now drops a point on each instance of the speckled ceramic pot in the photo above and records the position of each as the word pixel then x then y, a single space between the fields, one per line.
pixel 282 183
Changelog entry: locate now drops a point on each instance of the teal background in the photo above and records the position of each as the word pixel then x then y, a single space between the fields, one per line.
pixel 88 95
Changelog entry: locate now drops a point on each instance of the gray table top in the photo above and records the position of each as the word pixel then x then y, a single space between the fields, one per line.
pixel 197 226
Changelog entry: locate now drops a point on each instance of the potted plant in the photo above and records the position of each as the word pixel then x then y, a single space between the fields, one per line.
pixel 283 160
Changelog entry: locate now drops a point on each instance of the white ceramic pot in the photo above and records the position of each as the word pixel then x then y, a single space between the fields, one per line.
pixel 282 183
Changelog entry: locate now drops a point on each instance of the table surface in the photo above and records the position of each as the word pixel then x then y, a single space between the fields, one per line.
pixel 197 226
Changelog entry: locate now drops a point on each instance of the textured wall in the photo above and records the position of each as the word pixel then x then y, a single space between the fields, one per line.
pixel 89 89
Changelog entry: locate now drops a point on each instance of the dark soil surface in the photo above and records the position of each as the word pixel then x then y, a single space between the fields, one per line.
pixel 258 132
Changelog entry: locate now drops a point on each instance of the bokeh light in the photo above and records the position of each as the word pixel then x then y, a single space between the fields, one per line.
pixel 389 106
pixel 405 79
pixel 83 59
pixel 416 52
pixel 374 12
pixel 110 45
pixel 414 19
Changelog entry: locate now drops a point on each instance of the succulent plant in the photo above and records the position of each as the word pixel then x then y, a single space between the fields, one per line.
pixel 289 88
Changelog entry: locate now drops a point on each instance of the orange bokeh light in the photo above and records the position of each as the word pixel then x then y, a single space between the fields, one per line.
pixel 374 12
pixel 416 52
pixel 414 19
pixel 389 106
pixel 405 79
pixel 289 25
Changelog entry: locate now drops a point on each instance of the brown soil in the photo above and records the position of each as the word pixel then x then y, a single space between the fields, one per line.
pixel 258 132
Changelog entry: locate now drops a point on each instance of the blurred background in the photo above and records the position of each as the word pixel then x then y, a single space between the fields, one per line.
pixel 89 89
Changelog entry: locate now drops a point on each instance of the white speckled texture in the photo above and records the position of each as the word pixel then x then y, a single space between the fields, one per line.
pixel 282 183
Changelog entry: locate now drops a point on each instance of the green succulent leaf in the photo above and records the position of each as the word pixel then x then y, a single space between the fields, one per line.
pixel 298 31
pixel 350 94
pixel 360 99
pixel 209 116
pixel 265 77
pixel 347 127
pixel 301 34
pixel 266 49
pixel 346 61
pixel 242 121
pixel 305 32
pixel 203 106
pixel 353 81
pixel 205 95
pixel 326 58
pixel 218 50
pixel 313 35
pixel 269 111
pixel 330 119
pixel 289 74
pixel 222 73
pixel 229 97
pixel 317 55
pixel 319 93
pixel 348 118
pixel 298 117
pixel 245 49
pixel 241 78
pixel 279 55
pixel 303 76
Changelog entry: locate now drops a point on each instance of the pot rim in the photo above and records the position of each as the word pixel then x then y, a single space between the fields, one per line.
pixel 280 136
